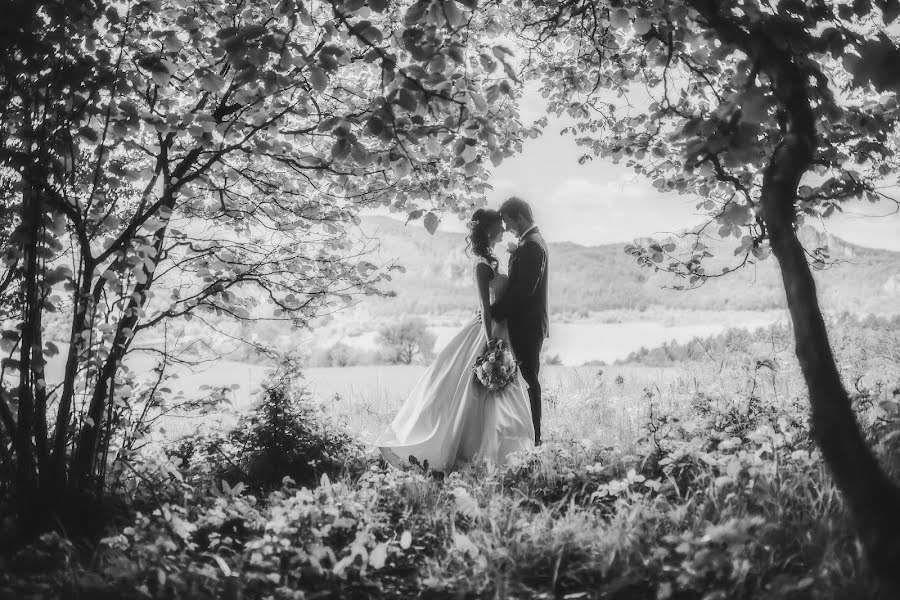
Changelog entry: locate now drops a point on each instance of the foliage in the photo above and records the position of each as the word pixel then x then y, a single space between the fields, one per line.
pixel 550 359
pixel 340 354
pixel 171 160
pixel 706 109
pixel 768 113
pixel 282 436
pixel 860 343
pixel 723 495
pixel 406 341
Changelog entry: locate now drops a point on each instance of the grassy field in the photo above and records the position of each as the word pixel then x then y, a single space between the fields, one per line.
pixel 608 405
pixel 598 403
pixel 580 402
pixel 700 480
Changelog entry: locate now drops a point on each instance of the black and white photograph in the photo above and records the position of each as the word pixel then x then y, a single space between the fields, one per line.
pixel 450 299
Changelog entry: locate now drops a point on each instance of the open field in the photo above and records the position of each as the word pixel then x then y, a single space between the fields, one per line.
pixel 608 405
pixel 605 336
pixel 580 401
pixel 699 480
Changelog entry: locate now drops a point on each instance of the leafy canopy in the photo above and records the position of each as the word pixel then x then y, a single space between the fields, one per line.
pixel 163 159
pixel 687 93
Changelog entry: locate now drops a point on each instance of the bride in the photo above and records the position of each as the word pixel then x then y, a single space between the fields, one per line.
pixel 449 418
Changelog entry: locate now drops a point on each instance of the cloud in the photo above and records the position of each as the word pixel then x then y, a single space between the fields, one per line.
pixel 600 202
pixel 867 224
pixel 609 210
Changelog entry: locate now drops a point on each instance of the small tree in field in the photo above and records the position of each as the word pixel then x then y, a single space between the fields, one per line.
pixel 770 113
pixel 406 341
pixel 171 159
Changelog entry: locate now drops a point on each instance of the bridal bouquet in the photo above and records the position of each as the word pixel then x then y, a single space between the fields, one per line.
pixel 496 367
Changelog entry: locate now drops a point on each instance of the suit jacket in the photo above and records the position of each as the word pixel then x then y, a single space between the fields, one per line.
pixel 524 304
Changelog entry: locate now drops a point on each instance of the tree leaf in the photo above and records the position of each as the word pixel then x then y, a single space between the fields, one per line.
pixel 479 100
pixel 431 222
pixel 469 153
pixel 452 13
pixel 318 78
pixel 415 13
pixel 408 100
pixel 89 134
pixel 406 539
pixel 378 556
pixel 890 10
pixel 212 82
pixel 642 25
pixel 285 8
pixel 620 18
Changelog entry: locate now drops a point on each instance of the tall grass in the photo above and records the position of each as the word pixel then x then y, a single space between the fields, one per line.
pixel 700 481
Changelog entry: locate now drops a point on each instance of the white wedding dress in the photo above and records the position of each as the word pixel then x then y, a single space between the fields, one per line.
pixel 450 419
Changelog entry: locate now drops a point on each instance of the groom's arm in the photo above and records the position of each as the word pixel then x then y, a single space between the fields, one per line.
pixel 529 272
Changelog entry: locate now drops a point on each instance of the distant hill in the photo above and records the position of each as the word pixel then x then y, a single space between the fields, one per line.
pixel 586 279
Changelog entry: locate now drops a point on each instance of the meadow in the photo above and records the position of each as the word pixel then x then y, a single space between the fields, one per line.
pixel 605 402
pixel 695 480
pixel 582 402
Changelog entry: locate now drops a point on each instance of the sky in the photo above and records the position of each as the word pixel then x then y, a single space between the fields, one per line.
pixel 601 202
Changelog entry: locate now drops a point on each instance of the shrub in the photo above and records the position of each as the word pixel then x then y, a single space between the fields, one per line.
pixel 283 436
pixel 340 354
pixel 407 341
pixel 551 359
pixel 724 496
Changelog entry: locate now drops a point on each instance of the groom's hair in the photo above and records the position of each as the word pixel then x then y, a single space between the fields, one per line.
pixel 516 207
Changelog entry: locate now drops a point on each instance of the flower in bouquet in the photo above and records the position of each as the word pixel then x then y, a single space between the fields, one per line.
pixel 496 367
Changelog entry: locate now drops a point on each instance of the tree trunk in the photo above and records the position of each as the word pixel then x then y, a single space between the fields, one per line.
pixel 39 383
pixel 64 411
pixel 86 449
pixel 7 420
pixel 873 499
pixel 26 488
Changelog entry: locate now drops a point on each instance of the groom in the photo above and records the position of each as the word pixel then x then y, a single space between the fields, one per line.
pixel 524 305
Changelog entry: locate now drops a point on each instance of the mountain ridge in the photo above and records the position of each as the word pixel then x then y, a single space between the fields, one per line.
pixel 586 279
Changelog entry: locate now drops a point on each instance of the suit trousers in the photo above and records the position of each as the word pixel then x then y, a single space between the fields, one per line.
pixel 527 350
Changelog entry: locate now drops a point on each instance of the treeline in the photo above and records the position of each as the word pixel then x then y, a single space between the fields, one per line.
pixel 854 338
pixel 404 342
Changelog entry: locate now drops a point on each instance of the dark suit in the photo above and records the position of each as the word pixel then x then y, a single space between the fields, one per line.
pixel 524 307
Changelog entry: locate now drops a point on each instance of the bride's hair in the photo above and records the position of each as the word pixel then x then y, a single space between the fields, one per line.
pixel 478 239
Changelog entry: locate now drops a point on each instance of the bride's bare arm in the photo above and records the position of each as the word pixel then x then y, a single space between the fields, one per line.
pixel 483 276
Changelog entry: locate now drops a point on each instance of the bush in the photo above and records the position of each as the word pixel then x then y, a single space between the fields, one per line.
pixel 407 341
pixel 723 496
pixel 341 355
pixel 324 542
pixel 551 359
pixel 284 436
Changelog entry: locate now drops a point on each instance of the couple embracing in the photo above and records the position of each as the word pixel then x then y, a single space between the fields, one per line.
pixel 450 419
